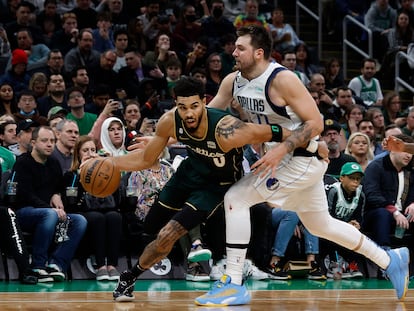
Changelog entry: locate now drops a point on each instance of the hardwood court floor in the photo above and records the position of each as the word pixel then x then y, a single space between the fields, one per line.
pixel 174 295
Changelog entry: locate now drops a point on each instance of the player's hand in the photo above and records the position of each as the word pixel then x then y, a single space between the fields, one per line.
pixel 140 143
pixel 270 161
pixel 355 223
pixel 392 143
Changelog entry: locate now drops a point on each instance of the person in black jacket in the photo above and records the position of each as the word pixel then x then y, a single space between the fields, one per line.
pixel 39 208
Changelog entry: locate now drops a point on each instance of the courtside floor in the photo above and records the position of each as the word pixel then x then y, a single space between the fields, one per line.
pixel 297 294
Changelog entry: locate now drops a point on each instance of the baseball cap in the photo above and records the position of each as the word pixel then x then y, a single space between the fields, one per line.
pixel 56 110
pixel 19 56
pixel 25 125
pixel 330 124
pixel 350 168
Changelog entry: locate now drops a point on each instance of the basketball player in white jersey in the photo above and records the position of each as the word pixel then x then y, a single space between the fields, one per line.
pixel 286 176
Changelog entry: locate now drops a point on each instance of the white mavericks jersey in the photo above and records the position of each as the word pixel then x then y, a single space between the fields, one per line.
pixel 253 97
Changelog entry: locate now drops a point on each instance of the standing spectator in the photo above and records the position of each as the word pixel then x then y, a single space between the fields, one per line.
pixel 67 135
pixel 40 207
pixel 284 36
pixel 76 103
pixel 17 76
pixel 28 108
pixel 103 233
pixel 358 146
pixel 380 18
pixel 366 86
pixel 85 14
pixel 83 54
pixel 65 39
pixel 388 188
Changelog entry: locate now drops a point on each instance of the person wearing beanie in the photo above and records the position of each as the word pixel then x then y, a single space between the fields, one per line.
pixel 17 75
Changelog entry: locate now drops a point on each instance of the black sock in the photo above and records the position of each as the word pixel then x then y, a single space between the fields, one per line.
pixel 137 270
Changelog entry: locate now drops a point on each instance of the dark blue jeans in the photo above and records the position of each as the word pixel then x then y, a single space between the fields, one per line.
pixel 380 222
pixel 41 222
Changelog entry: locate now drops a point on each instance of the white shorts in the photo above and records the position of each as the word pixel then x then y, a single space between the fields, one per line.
pixel 298 186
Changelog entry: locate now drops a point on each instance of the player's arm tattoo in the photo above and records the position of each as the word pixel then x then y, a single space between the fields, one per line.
pixel 228 126
pixel 298 137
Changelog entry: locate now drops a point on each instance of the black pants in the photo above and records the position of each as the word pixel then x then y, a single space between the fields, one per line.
pixel 11 239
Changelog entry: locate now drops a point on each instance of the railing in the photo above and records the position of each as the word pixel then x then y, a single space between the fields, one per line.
pixel 346 42
pixel 401 55
pixel 318 18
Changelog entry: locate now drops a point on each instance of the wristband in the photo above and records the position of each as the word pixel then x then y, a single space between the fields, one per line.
pixel 277 132
pixel 148 105
pixel 312 146
pixel 396 213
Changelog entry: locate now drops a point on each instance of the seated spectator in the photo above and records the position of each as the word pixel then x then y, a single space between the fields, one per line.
pixel 161 54
pixel 103 233
pixel 80 78
pixel 304 61
pixel 284 36
pixel 173 75
pixel 112 137
pixel 389 193
pixel 408 129
pixel 251 16
pixel 65 6
pixel 24 136
pixel 285 224
pixel 366 126
pixel 28 108
pixel 376 116
pixel 353 115
pixel 8 104
pixel 118 15
pixel 121 42
pixel 346 202
pixel 40 209
pixel 83 54
pixel 130 76
pixel 38 84
pixel 227 60
pixel 317 83
pixel 137 40
pixel 102 34
pixel 392 111
pixel 197 57
pixel 104 73
pixel 213 70
pixel 358 146
pixel 289 61
pixel 366 86
pixel 65 39
pixel 85 14
pixel 5 50
pixel 37 53
pixel 67 134
pixel 56 95
pixel 76 104
pixel 49 20
pixel 332 136
pixel 17 76
pixel 333 74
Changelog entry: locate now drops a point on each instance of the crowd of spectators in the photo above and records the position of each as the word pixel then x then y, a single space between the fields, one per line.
pixel 95 74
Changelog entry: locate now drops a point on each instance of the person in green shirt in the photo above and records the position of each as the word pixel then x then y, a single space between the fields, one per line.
pixel 76 103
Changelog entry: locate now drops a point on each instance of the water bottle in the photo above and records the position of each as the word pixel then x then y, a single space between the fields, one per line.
pixel 399 231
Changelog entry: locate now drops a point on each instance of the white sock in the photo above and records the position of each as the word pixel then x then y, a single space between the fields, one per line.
pixel 235 263
pixel 372 251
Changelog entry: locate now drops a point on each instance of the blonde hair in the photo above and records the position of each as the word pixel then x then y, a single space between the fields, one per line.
pixel 370 154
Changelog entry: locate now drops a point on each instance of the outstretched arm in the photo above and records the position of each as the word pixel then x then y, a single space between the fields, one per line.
pixel 392 143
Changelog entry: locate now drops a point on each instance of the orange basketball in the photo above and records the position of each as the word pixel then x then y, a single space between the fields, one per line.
pixel 100 177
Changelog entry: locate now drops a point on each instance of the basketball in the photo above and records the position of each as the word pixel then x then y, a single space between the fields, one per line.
pixel 100 177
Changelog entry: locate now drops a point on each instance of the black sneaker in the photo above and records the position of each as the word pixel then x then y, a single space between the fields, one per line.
pixel 42 275
pixel 125 288
pixel 315 272
pixel 28 278
pixel 278 272
pixel 55 272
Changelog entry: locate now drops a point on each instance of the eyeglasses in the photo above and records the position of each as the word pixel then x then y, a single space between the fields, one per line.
pixel 77 95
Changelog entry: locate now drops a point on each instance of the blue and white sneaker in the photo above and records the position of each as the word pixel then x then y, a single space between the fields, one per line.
pixel 397 270
pixel 224 293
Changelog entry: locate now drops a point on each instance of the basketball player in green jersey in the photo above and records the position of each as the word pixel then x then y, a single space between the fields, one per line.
pixel 214 139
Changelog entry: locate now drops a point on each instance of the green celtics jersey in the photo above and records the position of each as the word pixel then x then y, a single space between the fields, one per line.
pixel 206 159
